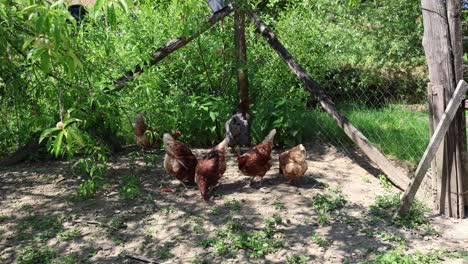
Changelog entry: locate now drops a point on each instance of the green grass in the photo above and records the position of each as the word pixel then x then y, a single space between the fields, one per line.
pixel 398 132
pixel 324 204
pixel 236 236
pixel 130 188
pixel 39 227
pixel 321 241
pixel 432 257
pixel 70 234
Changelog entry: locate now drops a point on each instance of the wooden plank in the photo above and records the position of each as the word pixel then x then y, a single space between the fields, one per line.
pixel 431 149
pixel 172 46
pixel 394 174
pixel 460 164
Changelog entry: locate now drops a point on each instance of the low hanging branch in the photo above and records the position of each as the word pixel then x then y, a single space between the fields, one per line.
pixel 395 175
pixel 172 46
pixel 437 137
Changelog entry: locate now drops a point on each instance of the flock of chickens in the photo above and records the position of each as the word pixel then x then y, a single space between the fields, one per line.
pixel 206 171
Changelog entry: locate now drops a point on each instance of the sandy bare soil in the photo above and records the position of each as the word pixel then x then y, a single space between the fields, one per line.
pixel 170 227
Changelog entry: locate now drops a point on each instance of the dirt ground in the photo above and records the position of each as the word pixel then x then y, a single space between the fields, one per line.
pixel 168 227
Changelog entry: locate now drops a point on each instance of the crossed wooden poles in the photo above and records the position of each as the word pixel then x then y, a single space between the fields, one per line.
pixel 393 173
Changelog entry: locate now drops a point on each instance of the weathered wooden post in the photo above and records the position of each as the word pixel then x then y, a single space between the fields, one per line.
pixel 241 55
pixel 443 48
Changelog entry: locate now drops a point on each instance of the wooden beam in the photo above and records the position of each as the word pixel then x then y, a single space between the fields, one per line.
pixel 431 149
pixel 172 46
pixel 394 174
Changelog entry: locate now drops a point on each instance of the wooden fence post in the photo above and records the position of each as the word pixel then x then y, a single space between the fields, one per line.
pixel 442 45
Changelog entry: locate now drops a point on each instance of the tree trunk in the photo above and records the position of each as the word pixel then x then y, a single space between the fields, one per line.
pixel 241 55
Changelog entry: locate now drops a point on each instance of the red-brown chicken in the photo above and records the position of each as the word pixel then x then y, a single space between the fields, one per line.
pixel 293 163
pixel 257 161
pixel 210 168
pixel 139 130
pixel 179 160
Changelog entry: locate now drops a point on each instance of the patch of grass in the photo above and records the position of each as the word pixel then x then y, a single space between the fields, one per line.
pixel 199 260
pixel 3 218
pixel 197 224
pixel 151 159
pixel 39 227
pixel 71 258
pixel 297 259
pixel 130 188
pixel 164 252
pixel 70 234
pixel 168 210
pixel 233 205
pixel 324 204
pixel 386 236
pixel 396 256
pixel 365 179
pixel 149 200
pixel 321 241
pixel 278 204
pixel 34 255
pixel 236 236
pixel 386 204
pixel 388 129
pixel 117 222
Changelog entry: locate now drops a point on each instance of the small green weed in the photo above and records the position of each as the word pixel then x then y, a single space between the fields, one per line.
pixel 233 205
pixel 324 204
pixel 130 188
pixel 71 258
pixel 386 236
pixel 164 252
pixel 199 260
pixel 34 254
pixel 386 204
pixel 117 222
pixel 321 241
pixel 278 204
pixel 70 234
pixel 297 259
pixel 40 227
pixel 236 236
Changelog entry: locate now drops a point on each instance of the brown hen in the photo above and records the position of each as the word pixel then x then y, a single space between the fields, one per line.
pixel 210 168
pixel 257 161
pixel 293 163
pixel 179 160
pixel 139 130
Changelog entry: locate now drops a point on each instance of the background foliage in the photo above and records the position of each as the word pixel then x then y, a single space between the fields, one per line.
pixel 367 55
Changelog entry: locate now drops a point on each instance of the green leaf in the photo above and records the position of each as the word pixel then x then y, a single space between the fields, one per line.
pixel 70 121
pixel 58 144
pixel 27 43
pixel 45 62
pixel 47 132
pixel 214 115
pixel 98 5
pixel 123 4
pixel 75 136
